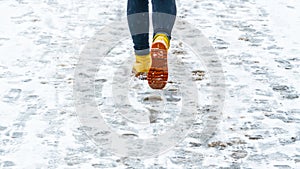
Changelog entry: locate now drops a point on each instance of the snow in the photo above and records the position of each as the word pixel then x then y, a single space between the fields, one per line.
pixel 256 41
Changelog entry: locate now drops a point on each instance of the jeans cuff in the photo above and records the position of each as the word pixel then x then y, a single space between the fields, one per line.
pixel 142 52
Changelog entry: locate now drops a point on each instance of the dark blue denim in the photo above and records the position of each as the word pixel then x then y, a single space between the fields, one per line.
pixel 163 18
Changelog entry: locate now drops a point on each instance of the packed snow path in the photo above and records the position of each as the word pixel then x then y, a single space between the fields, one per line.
pixel 256 41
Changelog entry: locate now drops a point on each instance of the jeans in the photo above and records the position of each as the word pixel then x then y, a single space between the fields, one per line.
pixel 163 18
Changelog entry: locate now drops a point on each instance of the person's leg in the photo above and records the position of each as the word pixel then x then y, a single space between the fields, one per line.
pixel 138 22
pixel 163 17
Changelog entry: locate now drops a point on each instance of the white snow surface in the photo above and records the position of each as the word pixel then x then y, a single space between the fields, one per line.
pixel 257 42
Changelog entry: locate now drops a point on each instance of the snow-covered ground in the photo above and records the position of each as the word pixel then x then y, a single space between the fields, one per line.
pixel 256 42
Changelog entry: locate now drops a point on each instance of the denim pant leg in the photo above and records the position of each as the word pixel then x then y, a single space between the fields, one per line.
pixel 164 15
pixel 138 22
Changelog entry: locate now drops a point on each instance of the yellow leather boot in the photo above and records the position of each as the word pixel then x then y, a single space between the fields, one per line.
pixel 158 73
pixel 141 65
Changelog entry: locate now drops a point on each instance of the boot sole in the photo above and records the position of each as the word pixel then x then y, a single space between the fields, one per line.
pixel 158 73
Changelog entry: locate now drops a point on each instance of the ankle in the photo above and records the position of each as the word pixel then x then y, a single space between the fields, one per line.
pixel 162 37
